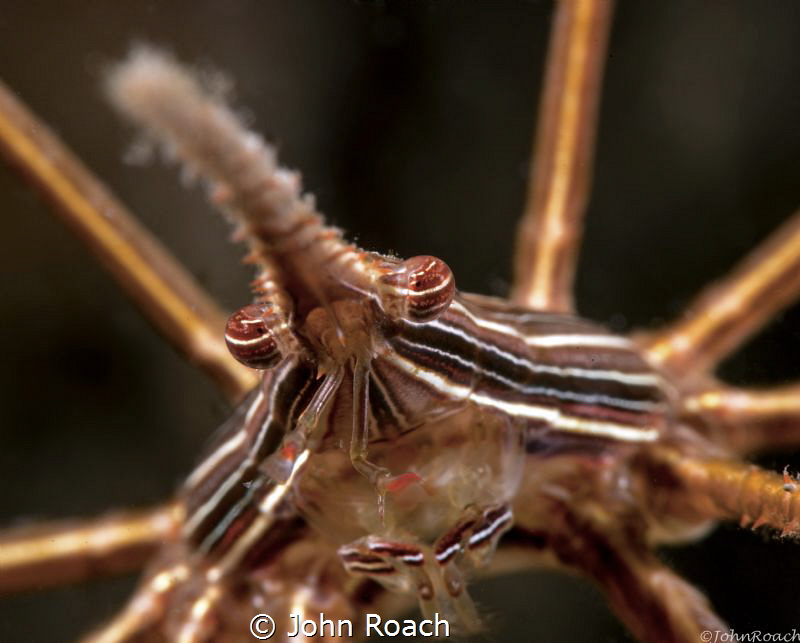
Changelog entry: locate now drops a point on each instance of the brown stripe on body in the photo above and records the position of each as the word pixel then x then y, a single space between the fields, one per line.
pixel 583 376
pixel 388 421
pixel 625 361
pixel 240 516
pixel 547 366
pixel 582 401
pixel 226 486
pixel 526 320
pixel 415 400
pixel 202 486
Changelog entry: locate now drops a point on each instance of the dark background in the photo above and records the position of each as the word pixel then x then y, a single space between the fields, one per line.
pixel 412 124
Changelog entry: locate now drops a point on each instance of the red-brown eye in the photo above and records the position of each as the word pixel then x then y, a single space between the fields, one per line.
pixel 250 338
pixel 420 290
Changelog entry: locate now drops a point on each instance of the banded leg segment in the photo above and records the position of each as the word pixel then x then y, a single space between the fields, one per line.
pixel 402 567
pixel 49 555
pixel 748 421
pixel 728 312
pixel 168 296
pixel 475 537
pixel 551 227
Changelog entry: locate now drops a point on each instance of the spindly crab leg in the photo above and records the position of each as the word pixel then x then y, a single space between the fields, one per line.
pixel 144 610
pixel 697 489
pixel 550 231
pixel 71 551
pixel 654 603
pixel 163 289
pixel 747 420
pixel 728 312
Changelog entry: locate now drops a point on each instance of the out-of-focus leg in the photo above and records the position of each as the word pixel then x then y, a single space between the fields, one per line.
pixel 145 610
pixel 729 311
pixel 695 489
pixel 746 420
pixel 551 228
pixel 166 293
pixel 55 554
pixel 652 601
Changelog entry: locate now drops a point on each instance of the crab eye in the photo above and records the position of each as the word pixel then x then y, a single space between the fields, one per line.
pixel 420 290
pixel 250 338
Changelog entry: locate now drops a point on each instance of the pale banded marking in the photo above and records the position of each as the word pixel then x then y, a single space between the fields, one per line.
pixel 207 507
pixel 355 558
pixel 479 536
pixel 368 567
pixel 439 382
pixel 398 416
pixel 272 499
pixel 216 457
pixel 228 447
pixel 631 379
pixel 420 293
pixel 586 398
pixel 552 416
pixel 596 341
pixel 443 556
pixel 247 342
pixel 385 549
pixel 266 516
pixel 503 329
pixel 547 341
pixel 251 411
pixel 572 424
pixel 413 559
pixel 216 534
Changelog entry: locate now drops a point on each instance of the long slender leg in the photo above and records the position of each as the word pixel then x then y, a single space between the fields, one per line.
pixel 165 292
pixel 728 312
pixel 359 441
pixel 652 601
pixel 200 625
pixel 746 420
pixel 551 227
pixel 67 552
pixel 144 610
pixel 383 479
pixel 696 489
pixel 305 436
